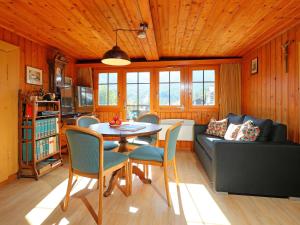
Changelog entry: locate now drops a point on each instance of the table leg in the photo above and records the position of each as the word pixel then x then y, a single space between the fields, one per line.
pixel 123 144
pixel 141 175
pixel 120 173
pixel 116 174
pixel 112 183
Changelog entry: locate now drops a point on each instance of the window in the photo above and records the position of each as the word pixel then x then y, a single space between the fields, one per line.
pixel 108 89
pixel 203 87
pixel 138 93
pixel 169 88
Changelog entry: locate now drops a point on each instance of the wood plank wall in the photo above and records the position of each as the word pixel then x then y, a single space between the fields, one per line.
pixel 35 55
pixel 273 93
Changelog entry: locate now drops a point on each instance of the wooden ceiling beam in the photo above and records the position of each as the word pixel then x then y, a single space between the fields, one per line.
pixel 144 7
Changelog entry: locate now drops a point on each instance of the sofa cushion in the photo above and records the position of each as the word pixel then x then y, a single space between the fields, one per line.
pixel 279 133
pixel 248 132
pixel 232 131
pixel 217 128
pixel 235 119
pixel 265 127
pixel 208 142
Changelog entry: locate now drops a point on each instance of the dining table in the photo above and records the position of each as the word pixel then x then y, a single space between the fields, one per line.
pixel 123 133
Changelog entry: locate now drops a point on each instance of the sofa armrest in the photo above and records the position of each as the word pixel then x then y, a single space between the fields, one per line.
pixel 256 166
pixel 199 129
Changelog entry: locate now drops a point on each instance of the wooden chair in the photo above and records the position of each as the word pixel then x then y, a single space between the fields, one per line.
pixel 145 140
pixel 87 158
pixel 86 121
pixel 151 139
pixel 150 155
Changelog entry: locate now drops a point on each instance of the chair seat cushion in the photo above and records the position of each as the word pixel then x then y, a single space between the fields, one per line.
pixel 109 145
pixel 113 158
pixel 148 153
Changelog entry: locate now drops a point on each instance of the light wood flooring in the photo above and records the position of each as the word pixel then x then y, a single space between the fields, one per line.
pixel 27 201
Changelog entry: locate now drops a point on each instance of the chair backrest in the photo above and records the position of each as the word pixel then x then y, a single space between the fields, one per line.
pixel 86 121
pixel 171 140
pixel 85 149
pixel 148 118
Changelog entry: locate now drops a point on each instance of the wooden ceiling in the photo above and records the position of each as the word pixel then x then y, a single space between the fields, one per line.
pixel 177 28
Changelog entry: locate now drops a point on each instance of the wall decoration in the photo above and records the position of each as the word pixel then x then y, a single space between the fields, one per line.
pixel 34 76
pixel 68 81
pixel 254 65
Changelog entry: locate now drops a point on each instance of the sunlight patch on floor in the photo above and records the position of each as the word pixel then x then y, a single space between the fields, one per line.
pixel 82 183
pixel 174 198
pixel 133 209
pixel 45 207
pixel 206 205
pixel 197 205
pixel 48 204
pixel 63 221
pixel 92 184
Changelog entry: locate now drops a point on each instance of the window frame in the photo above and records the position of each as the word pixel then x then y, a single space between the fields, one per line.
pixel 96 92
pixel 190 87
pixel 125 87
pixel 173 108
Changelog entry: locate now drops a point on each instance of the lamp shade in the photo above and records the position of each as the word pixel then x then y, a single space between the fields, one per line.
pixel 116 57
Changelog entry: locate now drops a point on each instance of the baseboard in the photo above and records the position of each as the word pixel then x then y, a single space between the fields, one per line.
pixel 10 178
pixel 294 199
pixel 222 193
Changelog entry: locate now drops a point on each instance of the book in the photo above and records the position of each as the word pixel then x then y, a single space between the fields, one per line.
pixel 29 147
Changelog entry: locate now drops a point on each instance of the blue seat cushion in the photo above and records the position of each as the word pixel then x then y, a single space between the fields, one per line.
pixel 109 145
pixel 112 159
pixel 148 153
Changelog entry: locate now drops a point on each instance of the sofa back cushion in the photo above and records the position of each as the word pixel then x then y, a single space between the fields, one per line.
pixel 265 127
pixel 279 133
pixel 235 119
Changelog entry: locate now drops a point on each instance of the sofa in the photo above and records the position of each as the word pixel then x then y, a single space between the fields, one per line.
pixel 269 166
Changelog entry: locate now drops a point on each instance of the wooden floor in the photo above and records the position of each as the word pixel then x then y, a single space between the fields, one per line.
pixel 27 201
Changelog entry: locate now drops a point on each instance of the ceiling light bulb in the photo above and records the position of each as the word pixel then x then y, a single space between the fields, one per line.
pixel 141 34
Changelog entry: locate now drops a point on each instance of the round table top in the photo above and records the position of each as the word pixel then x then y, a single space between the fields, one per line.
pixel 125 129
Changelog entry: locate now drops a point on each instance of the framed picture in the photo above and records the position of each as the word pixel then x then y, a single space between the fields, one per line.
pixel 254 65
pixel 34 76
pixel 68 81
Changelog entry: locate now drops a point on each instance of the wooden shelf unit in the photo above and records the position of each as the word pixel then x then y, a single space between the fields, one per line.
pixel 31 165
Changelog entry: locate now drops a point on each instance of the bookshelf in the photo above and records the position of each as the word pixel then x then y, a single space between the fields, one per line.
pixel 39 136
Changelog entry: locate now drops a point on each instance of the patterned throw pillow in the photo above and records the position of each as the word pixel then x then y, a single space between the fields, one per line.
pixel 232 131
pixel 248 132
pixel 217 128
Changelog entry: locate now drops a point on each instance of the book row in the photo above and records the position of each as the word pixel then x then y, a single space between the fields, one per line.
pixel 43 128
pixel 44 147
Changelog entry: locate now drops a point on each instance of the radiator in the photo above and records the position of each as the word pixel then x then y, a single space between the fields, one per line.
pixel 186 132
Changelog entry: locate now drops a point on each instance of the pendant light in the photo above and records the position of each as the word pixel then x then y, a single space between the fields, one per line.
pixel 115 56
